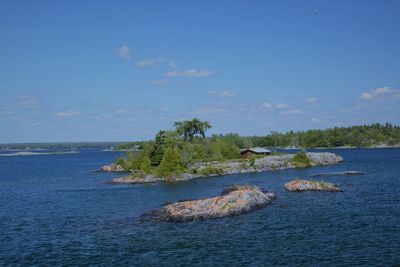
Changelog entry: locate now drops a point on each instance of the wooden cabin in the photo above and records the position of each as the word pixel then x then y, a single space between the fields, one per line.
pixel 255 151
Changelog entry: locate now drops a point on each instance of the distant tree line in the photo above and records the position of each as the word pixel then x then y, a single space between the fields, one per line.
pixel 62 145
pixel 354 136
pixel 172 151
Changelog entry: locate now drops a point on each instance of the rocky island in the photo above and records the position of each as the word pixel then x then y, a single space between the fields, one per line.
pixel 306 185
pixel 218 168
pixel 186 153
pixel 233 201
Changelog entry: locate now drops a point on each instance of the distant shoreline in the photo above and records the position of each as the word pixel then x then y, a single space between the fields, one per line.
pixel 29 153
pixel 63 146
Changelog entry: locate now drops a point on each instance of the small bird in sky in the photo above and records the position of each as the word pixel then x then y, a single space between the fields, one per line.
pixel 315 12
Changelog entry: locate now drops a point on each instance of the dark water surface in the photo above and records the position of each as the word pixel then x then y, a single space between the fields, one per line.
pixel 55 211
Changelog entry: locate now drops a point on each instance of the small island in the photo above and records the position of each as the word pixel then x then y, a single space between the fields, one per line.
pixel 234 200
pixel 299 185
pixel 185 153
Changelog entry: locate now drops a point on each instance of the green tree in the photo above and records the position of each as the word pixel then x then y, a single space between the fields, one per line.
pixel 133 159
pixel 171 164
pixel 190 129
pixel 221 150
pixel 163 139
pixel 145 166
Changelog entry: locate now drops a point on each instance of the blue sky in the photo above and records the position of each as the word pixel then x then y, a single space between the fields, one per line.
pixel 122 70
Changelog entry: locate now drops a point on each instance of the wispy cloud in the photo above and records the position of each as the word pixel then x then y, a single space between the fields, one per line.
pixel 147 62
pixel 316 120
pixel 311 99
pixel 209 110
pixel 159 82
pixel 380 92
pixel 269 105
pixel 295 111
pixel 190 73
pixel 280 106
pixel 28 101
pixel 172 64
pixel 151 62
pixel 65 114
pixel 7 113
pixel 123 52
pixel 226 93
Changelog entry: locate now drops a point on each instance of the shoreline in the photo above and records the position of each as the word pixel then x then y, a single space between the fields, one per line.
pixel 264 164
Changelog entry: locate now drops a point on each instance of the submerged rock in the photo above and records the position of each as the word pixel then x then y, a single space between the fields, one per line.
pixel 305 185
pixel 233 201
pixel 353 173
pixel 337 173
pixel 112 168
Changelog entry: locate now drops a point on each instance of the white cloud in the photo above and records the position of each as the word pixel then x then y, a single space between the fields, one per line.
pixel 295 111
pixel 65 114
pixel 28 101
pixel 121 111
pixel 209 110
pixel 159 82
pixel 380 92
pixel 366 96
pixel 7 113
pixel 316 120
pixel 190 73
pixel 123 52
pixel 172 64
pixel 269 105
pixel 226 93
pixel 147 62
pixel 311 100
pixel 280 106
pixel 383 90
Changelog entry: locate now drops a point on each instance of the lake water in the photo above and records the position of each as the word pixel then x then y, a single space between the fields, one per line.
pixel 55 210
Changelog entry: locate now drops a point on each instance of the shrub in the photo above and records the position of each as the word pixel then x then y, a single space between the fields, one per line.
pixel 252 161
pixel 136 174
pixel 211 170
pixel 301 160
pixel 125 165
pixel 119 161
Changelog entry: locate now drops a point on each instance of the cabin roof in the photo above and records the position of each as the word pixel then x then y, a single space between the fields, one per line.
pixel 257 150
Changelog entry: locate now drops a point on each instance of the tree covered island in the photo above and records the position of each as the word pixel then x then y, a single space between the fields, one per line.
pixel 186 153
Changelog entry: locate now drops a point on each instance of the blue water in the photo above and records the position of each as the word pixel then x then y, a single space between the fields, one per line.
pixel 54 210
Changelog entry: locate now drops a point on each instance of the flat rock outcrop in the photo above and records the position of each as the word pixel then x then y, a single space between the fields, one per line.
pixel 323 158
pixel 233 201
pixel 306 185
pixel 112 168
